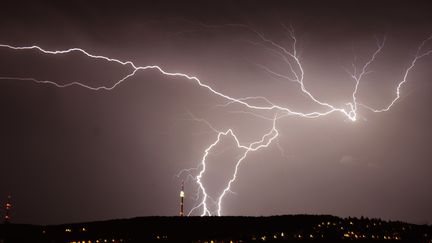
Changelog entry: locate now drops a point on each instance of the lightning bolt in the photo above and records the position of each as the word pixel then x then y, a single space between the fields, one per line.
pixel 296 75
pixel 421 53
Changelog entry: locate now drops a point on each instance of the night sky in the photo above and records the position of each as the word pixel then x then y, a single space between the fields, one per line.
pixel 73 154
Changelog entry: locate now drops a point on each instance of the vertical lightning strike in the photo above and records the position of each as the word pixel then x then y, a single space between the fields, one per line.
pixel 265 141
pixel 272 134
pixel 290 58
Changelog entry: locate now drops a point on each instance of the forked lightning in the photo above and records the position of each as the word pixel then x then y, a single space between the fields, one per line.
pixel 296 74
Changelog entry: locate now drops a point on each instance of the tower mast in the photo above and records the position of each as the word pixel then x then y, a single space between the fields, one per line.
pixel 182 194
pixel 8 206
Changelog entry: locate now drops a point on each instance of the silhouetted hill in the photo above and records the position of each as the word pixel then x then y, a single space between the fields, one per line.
pixel 292 228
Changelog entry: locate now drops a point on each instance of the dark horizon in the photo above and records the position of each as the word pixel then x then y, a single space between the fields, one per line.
pixel 74 154
pixel 288 228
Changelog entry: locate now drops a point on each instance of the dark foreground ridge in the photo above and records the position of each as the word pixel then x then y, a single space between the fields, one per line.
pixel 292 228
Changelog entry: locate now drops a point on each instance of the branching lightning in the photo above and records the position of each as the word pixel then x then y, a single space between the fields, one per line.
pixel 296 74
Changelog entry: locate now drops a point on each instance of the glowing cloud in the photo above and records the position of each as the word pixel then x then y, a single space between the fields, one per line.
pixel 294 65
